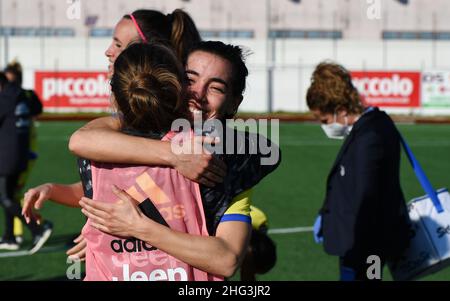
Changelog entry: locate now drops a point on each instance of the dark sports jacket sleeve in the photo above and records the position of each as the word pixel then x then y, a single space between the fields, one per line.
pixel 245 170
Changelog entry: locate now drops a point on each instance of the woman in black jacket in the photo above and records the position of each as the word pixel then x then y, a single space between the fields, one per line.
pixel 15 122
pixel 364 212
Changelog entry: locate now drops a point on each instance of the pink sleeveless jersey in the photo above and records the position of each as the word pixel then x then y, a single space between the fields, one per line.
pixel 178 202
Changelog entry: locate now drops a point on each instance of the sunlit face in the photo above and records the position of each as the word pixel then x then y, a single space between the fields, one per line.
pixel 124 33
pixel 210 85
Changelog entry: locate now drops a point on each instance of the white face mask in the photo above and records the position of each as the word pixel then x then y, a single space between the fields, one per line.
pixel 336 130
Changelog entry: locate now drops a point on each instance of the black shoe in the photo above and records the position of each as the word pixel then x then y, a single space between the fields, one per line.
pixel 8 244
pixel 40 238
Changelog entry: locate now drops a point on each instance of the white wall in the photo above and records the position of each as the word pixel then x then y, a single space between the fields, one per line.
pixel 350 16
pixel 295 61
pixel 360 48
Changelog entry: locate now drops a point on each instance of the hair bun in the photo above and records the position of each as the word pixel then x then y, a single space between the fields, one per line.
pixel 147 87
pixel 141 92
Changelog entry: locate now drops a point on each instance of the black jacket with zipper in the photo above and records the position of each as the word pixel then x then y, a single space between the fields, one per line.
pixel 364 209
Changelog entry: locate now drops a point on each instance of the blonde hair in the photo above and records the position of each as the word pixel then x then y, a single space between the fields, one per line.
pixel 332 90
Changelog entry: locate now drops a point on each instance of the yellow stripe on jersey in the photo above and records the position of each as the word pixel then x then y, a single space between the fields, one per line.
pixel 240 204
pixel 259 218
pixel 239 209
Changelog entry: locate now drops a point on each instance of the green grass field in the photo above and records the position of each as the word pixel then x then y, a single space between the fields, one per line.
pixel 290 196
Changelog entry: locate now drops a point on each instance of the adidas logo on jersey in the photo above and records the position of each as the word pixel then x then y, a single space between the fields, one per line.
pixel 130 245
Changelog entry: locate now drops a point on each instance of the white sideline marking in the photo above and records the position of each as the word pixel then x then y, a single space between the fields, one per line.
pixel 290 230
pixel 27 252
pixel 286 142
pixel 14 254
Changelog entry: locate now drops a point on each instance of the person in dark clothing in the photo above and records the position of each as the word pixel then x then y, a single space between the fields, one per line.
pixel 13 72
pixel 364 212
pixel 15 122
pixel 3 81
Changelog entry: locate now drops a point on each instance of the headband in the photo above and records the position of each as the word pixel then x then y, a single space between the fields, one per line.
pixel 141 34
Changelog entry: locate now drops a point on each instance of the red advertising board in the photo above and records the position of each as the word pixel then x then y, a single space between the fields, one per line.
pixel 389 89
pixel 73 90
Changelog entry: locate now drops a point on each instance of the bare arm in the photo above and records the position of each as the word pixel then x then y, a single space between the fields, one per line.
pixel 100 140
pixel 219 255
pixel 68 195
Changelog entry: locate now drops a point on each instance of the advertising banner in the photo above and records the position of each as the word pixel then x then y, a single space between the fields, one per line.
pixel 389 89
pixel 73 91
pixel 436 89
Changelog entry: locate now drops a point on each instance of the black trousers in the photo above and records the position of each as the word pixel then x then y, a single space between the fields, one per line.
pixel 12 208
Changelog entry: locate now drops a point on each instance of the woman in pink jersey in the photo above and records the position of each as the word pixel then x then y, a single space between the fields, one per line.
pixel 147 87
pixel 178 31
pixel 219 255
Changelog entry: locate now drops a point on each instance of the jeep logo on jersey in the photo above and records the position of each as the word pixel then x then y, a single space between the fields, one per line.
pixel 65 91
pixel 388 89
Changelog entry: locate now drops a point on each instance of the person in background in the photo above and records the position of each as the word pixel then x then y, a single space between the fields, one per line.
pixel 3 81
pixel 14 73
pixel 15 125
pixel 364 211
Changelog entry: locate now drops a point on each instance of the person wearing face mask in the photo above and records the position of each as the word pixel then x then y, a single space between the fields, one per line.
pixel 336 130
pixel 364 211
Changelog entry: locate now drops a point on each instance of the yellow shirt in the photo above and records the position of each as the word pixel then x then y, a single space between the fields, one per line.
pixel 239 209
pixel 259 218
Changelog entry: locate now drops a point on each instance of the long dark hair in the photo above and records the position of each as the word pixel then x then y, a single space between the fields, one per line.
pixel 176 29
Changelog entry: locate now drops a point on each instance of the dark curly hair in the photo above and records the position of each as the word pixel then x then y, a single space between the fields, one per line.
pixel 332 90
